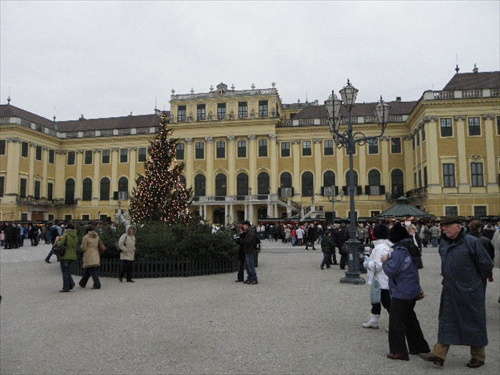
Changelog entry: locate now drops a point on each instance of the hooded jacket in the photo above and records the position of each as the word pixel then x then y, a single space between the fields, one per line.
pixel 402 270
pixel 70 239
pixel 382 247
pixel 90 250
pixel 127 244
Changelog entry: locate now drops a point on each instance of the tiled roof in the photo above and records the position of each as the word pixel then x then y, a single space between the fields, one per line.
pixel 126 122
pixel 8 110
pixel 474 81
pixel 359 109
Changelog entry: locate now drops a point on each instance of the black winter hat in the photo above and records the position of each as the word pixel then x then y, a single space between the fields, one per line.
pixel 381 232
pixel 398 233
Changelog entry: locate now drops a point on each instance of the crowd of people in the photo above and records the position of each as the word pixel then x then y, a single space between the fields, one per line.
pixel 393 261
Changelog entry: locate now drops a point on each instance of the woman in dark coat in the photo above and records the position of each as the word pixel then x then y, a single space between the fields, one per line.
pixel 404 284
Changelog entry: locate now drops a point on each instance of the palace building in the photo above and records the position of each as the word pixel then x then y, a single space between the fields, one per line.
pixel 249 156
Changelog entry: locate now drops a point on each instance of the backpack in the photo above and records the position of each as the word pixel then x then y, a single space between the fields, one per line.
pixel 54 232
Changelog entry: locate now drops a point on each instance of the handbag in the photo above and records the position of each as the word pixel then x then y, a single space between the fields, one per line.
pixel 60 250
pixel 100 246
pixel 375 291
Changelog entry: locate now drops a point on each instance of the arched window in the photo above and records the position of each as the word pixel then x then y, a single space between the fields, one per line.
pixel 329 179
pixel 286 180
pixel 220 185
pixel 242 184
pixel 307 184
pixel 374 178
pixel 104 189
pixel 397 183
pixel 87 189
pixel 263 183
pixel 69 197
pixel 347 180
pixel 123 184
pixel 199 185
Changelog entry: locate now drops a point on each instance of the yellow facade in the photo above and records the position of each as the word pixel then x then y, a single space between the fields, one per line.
pixel 243 148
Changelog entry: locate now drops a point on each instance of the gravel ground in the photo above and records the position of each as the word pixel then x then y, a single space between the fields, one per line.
pixel 298 320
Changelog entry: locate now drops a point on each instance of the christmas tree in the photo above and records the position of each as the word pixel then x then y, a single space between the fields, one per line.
pixel 160 195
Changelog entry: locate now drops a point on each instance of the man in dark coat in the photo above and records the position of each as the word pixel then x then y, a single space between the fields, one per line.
pixel 249 244
pixel 466 267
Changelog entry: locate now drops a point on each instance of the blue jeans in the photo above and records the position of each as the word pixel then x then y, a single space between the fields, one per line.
pixel 250 265
pixel 91 272
pixel 68 282
pixel 435 241
pixel 327 260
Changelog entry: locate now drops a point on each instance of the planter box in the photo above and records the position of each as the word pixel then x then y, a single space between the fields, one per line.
pixel 162 267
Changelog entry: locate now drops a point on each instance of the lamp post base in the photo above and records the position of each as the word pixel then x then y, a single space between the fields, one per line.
pixel 352 275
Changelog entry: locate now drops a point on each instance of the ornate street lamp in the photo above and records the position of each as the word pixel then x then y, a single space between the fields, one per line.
pixel 348 139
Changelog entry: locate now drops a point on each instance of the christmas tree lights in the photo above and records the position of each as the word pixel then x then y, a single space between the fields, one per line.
pixel 160 194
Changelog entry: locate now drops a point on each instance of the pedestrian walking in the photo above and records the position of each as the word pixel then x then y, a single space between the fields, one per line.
pixel 91 248
pixel 70 240
pixel 327 247
pixel 249 243
pixel 126 243
pixel 404 284
pixel 465 267
pixel 378 280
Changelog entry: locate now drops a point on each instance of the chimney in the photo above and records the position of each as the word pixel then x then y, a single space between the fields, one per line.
pixel 398 98
pixel 475 70
pixel 81 117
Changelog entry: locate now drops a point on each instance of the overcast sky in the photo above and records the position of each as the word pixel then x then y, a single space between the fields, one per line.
pixel 110 58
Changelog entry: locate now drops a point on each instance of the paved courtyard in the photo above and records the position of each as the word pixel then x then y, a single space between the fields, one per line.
pixel 298 320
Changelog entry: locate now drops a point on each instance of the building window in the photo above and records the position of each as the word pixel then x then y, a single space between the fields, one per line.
pixel 263 184
pixel 242 109
pixel 221 111
pixel 449 175
pixel 201 112
pixel 23 188
pixel 69 196
pixel 38 153
pixel 307 184
pixel 142 155
pixel 2 147
pixel 372 146
pixel 480 211
pixel 263 148
pixel 285 149
pixel 474 126
pixel 328 147
pixel 417 135
pixel 87 189
pixel 446 127
pixel 38 189
pixel 51 156
pixel 425 177
pixel 106 156
pixel 498 125
pixel 306 148
pixel 242 149
pixel 2 185
pixel 179 151
pixel 220 185
pixel 199 185
pixel 104 189
pixel 328 179
pixel 423 134
pixel 71 157
pixel 242 185
pixel 374 178
pixel 476 170
pixel 181 113
pixel 199 148
pixel 50 191
pixel 24 149
pixel 395 145
pixel 263 108
pixel 123 188
pixel 88 157
pixel 451 211
pixel 220 149
pixel 124 155
pixel 397 183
